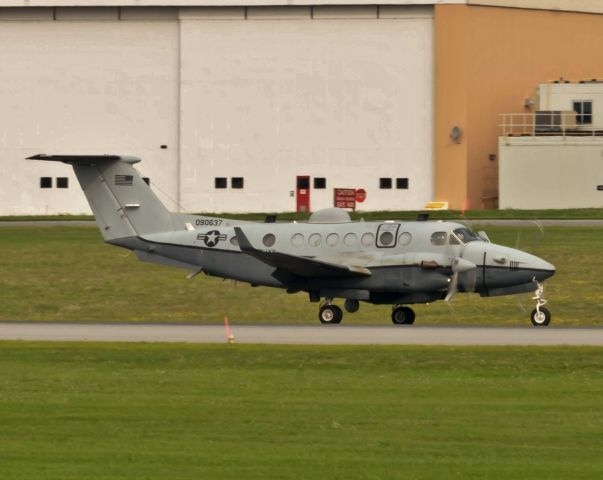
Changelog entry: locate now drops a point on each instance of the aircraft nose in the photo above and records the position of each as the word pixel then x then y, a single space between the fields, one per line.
pixel 542 268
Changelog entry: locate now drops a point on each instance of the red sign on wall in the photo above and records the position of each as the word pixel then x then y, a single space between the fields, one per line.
pixel 344 198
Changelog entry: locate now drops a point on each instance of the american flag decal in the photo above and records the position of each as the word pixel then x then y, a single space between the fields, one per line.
pixel 124 180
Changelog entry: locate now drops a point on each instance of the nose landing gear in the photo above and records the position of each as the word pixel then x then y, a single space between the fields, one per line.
pixel 540 316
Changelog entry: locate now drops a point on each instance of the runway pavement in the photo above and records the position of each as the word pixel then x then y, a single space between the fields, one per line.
pixel 304 335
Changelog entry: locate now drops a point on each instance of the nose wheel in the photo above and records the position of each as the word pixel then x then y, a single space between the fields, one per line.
pixel 540 316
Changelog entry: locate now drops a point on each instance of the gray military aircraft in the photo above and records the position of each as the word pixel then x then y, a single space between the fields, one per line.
pixel 390 262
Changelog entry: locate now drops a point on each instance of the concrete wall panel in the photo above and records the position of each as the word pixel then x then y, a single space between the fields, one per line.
pixel 84 87
pixel 553 172
pixel 348 100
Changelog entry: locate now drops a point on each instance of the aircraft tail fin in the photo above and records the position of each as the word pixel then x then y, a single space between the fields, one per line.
pixel 122 202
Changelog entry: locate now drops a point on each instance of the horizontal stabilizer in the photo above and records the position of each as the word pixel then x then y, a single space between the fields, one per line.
pixel 299 266
pixel 84 159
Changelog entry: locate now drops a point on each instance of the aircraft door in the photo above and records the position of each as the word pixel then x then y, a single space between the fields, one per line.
pixel 387 235
pixel 302 194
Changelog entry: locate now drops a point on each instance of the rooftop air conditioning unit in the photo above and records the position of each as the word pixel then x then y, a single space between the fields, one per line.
pixel 554 121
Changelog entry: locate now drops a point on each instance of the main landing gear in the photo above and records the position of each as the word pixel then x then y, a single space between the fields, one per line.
pixel 403 315
pixel 540 316
pixel 329 313
pixel 332 314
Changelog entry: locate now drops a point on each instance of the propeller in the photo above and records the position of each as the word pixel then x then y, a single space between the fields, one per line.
pixel 461 266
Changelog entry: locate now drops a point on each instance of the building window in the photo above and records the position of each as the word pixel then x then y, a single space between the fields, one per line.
pixel 62 182
pixel 320 182
pixel 220 182
pixel 402 183
pixel 584 112
pixel 236 182
pixel 45 182
pixel 147 180
pixel 385 183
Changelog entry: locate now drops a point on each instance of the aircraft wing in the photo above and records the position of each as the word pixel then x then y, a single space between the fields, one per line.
pixel 299 266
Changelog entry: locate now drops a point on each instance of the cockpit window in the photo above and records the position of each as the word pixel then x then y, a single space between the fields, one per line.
pixel 465 235
pixel 439 238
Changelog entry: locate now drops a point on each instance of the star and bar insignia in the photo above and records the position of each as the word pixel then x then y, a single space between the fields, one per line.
pixel 211 238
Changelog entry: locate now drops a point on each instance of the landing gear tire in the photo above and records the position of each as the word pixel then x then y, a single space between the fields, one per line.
pixel 351 305
pixel 540 317
pixel 403 316
pixel 330 314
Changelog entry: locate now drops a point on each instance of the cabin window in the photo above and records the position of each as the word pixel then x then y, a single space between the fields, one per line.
pixel 269 240
pixel 367 239
pixel 387 235
pixel 349 239
pixel 332 239
pixel 404 239
pixel 315 240
pixel 584 112
pixel 236 182
pixel 147 180
pixel 439 238
pixel 62 182
pixel 45 182
pixel 220 182
pixel 386 238
pixel 297 240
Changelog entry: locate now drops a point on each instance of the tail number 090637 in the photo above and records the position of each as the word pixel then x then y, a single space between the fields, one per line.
pixel 208 222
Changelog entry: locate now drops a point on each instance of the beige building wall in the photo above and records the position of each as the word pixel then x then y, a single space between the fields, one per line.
pixel 488 60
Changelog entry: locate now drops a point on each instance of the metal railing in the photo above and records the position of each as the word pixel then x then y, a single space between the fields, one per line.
pixel 560 123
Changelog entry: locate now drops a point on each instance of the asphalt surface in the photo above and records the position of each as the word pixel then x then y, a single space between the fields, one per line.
pixel 304 335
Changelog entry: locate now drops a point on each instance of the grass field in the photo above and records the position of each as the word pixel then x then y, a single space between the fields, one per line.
pixel 73 411
pixel 68 274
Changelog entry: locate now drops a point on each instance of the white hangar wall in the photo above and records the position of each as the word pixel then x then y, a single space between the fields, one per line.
pixel 83 83
pixel 266 94
pixel 333 93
